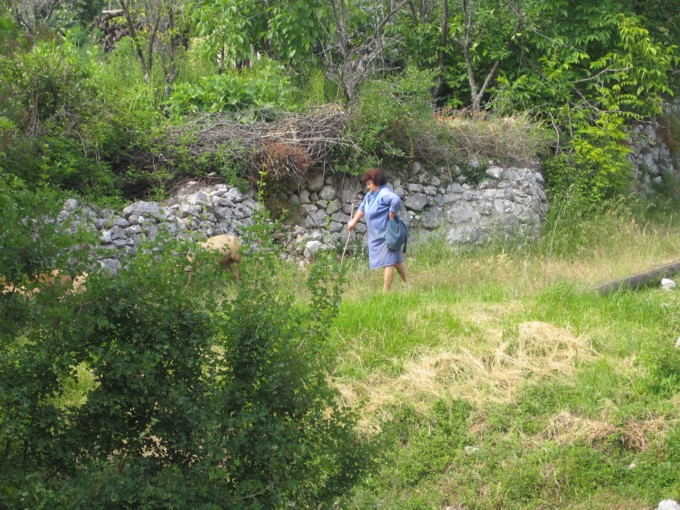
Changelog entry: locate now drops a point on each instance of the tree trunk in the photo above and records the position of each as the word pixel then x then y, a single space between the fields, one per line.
pixel 357 60
pixel 443 41
pixel 146 69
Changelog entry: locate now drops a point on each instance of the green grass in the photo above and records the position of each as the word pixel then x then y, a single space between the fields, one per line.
pixel 501 379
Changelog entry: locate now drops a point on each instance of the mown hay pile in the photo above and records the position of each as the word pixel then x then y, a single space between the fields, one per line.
pixel 538 350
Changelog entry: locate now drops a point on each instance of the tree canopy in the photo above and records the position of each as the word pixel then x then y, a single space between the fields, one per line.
pixel 582 70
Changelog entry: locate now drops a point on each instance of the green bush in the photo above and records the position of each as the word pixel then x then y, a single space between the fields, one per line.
pixel 59 134
pixel 202 391
pixel 264 85
pixel 595 160
pixel 31 242
pixel 45 86
pixel 60 162
pixel 77 119
pixel 392 121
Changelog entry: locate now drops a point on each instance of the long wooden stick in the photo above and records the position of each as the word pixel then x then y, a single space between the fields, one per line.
pixel 349 233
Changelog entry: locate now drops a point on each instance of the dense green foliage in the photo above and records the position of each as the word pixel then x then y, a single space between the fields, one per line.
pixel 266 85
pixel 76 117
pixel 234 31
pixel 192 390
pixel 392 121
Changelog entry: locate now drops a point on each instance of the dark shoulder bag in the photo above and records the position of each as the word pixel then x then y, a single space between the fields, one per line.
pixel 396 236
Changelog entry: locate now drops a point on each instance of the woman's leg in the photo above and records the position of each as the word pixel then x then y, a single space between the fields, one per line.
pixel 389 277
pixel 403 271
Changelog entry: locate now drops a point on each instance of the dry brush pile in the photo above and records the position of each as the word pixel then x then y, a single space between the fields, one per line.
pixel 284 148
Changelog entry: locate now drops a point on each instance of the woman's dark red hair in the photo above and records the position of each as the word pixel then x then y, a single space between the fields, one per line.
pixel 376 175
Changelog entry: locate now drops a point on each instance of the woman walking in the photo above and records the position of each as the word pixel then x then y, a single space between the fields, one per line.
pixel 379 206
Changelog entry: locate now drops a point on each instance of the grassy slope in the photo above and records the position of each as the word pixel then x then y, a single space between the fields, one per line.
pixel 501 380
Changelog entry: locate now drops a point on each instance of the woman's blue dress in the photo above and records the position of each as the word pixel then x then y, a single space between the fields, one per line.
pixel 376 208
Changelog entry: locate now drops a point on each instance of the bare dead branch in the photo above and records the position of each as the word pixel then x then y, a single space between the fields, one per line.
pixel 604 71
pixel 356 61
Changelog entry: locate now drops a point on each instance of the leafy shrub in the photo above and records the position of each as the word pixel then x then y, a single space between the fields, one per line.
pixel 60 131
pixel 32 246
pixel 46 87
pixel 204 391
pixel 265 84
pixel 58 161
pixel 392 120
pixel 31 242
pixel 588 90
pixel 7 133
pixel 595 160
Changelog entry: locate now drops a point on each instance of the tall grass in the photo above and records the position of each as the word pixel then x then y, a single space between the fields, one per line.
pixel 501 379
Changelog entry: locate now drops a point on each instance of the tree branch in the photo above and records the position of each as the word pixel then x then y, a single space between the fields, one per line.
pixel 125 5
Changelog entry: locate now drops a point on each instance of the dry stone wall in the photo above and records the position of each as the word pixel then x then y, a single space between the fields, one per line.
pixel 507 203
pixel 651 155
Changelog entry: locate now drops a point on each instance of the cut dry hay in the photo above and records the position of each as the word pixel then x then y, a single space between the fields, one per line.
pixel 287 146
pixel 565 428
pixel 538 350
